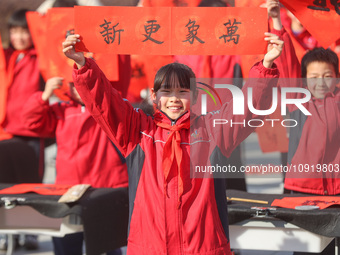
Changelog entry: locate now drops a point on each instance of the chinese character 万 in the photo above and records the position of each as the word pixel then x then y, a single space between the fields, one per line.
pixel 231 30
pixel 319 5
pixel 192 29
pixel 150 29
pixel 109 34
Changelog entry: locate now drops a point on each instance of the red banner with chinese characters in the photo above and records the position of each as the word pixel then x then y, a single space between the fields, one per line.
pixel 321 201
pixel 48 32
pixel 171 30
pixel 320 17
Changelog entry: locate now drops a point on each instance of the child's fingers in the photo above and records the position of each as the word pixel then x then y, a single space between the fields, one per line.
pixel 71 40
pixel 276 41
pixel 73 37
pixel 272 6
pixel 67 48
pixel 68 43
pixel 270 36
pixel 272 2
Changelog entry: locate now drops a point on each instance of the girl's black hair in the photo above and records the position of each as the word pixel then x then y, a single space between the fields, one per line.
pixel 319 55
pixel 18 19
pixel 175 74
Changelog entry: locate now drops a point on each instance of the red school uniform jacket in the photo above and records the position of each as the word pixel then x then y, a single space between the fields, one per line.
pixel 314 144
pixel 85 153
pixel 170 213
pixel 24 81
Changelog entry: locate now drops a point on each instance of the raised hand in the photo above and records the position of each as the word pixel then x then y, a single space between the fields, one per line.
pixel 275 46
pixel 69 51
pixel 273 8
pixel 51 85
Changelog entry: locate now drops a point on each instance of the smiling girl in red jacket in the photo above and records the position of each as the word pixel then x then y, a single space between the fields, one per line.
pixel 170 212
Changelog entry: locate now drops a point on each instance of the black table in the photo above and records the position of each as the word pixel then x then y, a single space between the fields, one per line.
pixel 103 214
pixel 322 225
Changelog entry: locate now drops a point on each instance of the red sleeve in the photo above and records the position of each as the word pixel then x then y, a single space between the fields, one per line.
pixel 39 117
pixel 289 66
pixel 124 69
pixel 120 121
pixel 287 63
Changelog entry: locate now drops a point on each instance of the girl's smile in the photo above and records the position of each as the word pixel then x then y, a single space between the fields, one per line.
pixel 174 102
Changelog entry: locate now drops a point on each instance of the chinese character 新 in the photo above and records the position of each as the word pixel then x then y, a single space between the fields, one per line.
pixel 109 34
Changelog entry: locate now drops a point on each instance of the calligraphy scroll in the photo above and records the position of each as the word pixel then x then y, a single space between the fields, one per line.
pixel 170 31
pixel 218 31
pixel 48 32
pixel 124 30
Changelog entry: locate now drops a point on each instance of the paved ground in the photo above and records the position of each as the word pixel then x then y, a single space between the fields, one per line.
pixel 255 184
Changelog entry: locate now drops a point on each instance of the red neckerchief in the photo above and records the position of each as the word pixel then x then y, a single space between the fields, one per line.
pixel 172 152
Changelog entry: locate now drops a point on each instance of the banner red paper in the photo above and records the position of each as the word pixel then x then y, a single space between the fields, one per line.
pixel 321 201
pixel 171 30
pixel 320 18
pixel 38 26
pixel 218 31
pixel 39 188
pixel 124 30
pixel 48 32
pixel 61 23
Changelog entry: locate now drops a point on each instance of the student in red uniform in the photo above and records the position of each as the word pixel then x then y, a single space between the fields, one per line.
pixel 170 212
pixel 21 150
pixel 85 155
pixel 314 142
pixel 23 79
pixel 320 70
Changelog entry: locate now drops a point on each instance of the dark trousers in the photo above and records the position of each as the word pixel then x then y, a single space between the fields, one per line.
pixel 20 160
